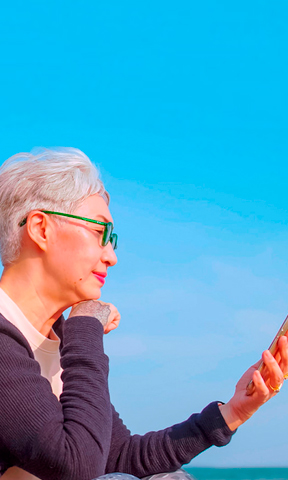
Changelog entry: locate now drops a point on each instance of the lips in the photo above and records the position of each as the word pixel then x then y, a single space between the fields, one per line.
pixel 100 276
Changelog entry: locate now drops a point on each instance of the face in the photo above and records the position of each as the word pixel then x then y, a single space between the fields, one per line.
pixel 76 258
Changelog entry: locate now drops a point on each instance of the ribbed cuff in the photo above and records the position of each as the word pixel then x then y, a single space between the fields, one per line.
pixel 81 332
pixel 214 425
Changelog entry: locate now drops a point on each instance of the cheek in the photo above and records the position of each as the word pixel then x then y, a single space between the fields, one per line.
pixel 79 254
pixel 69 265
pixel 76 249
pixel 64 257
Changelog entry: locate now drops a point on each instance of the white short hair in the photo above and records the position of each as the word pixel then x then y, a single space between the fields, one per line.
pixel 57 179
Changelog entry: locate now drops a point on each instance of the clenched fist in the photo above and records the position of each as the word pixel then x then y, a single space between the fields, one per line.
pixel 106 313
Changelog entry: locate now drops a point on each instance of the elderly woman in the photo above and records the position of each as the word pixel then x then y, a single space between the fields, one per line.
pixel 56 420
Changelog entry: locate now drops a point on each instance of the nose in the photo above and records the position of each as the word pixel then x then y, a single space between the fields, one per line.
pixel 108 255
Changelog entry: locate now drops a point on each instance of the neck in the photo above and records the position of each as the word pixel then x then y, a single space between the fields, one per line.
pixel 34 298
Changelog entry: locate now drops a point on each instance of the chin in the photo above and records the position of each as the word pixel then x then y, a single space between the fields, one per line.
pixel 90 294
pixel 82 292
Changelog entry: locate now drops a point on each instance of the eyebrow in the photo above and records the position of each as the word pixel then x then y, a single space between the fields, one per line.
pixel 102 218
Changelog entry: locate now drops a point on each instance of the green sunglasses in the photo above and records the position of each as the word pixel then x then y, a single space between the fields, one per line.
pixel 108 235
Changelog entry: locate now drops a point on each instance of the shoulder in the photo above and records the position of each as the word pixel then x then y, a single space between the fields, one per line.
pixel 12 338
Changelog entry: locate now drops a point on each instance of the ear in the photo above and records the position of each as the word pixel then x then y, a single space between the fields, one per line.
pixel 38 228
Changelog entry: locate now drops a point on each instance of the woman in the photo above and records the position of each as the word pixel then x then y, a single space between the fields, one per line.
pixel 57 422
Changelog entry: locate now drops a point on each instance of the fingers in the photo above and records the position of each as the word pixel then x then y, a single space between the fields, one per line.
pixel 260 385
pixel 275 374
pixel 283 351
pixel 111 326
pixel 113 321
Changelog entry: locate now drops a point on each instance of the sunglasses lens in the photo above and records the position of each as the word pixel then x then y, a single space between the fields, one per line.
pixel 107 233
pixel 114 240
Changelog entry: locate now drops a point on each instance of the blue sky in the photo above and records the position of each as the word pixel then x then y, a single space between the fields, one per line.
pixel 183 105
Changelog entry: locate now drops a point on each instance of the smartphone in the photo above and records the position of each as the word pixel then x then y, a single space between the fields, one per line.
pixel 273 349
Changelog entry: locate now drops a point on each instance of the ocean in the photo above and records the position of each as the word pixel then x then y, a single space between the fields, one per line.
pixel 238 473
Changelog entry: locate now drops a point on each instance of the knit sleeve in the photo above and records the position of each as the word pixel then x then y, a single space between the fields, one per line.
pixel 51 439
pixel 168 449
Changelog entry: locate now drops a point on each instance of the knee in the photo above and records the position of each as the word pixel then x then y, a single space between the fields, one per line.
pixel 177 475
pixel 117 476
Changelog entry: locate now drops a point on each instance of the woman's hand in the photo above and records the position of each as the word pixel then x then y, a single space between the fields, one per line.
pixel 113 319
pixel 242 406
pixel 106 313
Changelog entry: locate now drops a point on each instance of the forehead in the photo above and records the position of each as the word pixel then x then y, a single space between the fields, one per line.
pixel 96 208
